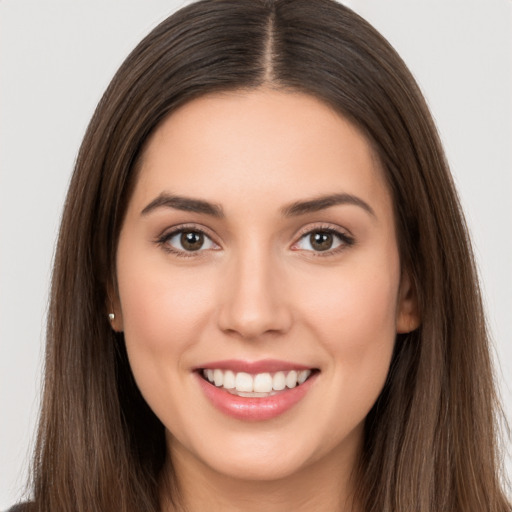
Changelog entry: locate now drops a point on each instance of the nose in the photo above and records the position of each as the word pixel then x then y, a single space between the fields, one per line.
pixel 254 299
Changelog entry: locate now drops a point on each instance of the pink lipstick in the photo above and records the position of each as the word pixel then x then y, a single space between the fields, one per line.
pixel 255 390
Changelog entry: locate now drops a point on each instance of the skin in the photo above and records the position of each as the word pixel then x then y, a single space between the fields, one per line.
pixel 259 290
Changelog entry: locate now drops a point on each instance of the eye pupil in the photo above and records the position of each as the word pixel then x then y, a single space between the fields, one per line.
pixel 192 240
pixel 321 240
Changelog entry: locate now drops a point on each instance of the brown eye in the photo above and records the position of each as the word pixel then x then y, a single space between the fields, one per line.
pixel 192 240
pixel 321 240
pixel 187 241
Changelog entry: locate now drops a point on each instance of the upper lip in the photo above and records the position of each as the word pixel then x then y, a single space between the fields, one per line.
pixel 253 367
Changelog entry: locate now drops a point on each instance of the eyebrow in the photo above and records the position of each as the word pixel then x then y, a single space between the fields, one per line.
pixel 295 209
pixel 321 203
pixel 185 204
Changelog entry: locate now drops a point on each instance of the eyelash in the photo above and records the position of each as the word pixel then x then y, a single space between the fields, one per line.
pixel 163 240
pixel 345 240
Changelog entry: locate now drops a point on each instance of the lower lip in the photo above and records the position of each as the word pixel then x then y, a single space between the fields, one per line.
pixel 252 408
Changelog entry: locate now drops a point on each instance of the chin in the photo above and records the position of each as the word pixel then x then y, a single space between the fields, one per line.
pixel 257 468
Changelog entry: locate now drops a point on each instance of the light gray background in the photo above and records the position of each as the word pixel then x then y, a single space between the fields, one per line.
pixel 57 58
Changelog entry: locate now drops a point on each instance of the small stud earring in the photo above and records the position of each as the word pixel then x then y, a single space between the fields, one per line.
pixel 111 316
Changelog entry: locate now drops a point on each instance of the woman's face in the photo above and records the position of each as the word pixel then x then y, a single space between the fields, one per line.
pixel 259 250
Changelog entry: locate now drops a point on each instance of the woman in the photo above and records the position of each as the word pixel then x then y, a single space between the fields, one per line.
pixel 264 296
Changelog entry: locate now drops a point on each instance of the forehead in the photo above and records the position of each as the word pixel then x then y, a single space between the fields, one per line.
pixel 272 145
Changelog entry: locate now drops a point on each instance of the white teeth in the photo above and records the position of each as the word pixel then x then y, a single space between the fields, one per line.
pixel 244 382
pixel 261 384
pixel 218 377
pixel 279 381
pixel 229 379
pixel 302 376
pixel 291 379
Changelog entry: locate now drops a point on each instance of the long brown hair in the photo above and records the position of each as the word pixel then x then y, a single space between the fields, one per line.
pixel 431 438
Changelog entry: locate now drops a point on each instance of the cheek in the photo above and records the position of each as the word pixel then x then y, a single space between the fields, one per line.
pixel 356 300
pixel 163 309
pixel 355 321
pixel 357 330
pixel 163 313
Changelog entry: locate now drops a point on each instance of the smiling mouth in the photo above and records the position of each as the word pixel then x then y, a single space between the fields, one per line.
pixel 258 385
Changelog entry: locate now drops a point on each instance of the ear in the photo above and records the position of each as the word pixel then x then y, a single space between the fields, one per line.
pixel 114 308
pixel 407 312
